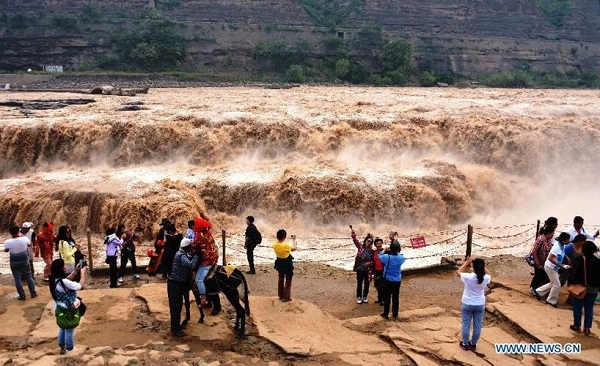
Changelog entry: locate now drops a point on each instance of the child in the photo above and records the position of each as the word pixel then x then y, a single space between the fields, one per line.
pixel 284 265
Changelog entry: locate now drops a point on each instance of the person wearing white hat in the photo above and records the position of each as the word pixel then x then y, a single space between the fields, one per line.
pixel 27 231
pixel 178 283
pixel 19 266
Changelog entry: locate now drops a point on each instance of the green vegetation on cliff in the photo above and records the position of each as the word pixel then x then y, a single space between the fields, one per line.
pixel 154 45
pixel 555 10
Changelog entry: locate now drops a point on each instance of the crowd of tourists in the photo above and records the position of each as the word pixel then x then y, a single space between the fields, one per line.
pixel 569 258
pixel 185 259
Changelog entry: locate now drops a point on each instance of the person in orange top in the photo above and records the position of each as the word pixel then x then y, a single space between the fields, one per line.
pixel 45 241
pixel 209 256
pixel 378 270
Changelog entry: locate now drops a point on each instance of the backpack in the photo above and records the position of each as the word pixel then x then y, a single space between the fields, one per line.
pixel 257 237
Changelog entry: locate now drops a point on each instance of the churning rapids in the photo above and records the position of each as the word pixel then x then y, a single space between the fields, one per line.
pixel 309 159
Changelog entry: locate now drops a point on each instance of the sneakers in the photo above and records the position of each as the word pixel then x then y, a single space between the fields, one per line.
pixel 365 300
pixel 537 296
pixel 384 315
pixel 63 351
pixel 586 331
pixel 33 296
pixel 551 304
pixel 21 298
pixel 575 329
pixel 467 347
pixel 532 291
pixel 120 280
pixel 136 276
pixel 359 300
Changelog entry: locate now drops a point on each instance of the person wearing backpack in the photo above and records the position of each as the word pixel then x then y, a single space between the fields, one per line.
pixel 64 289
pixel 252 239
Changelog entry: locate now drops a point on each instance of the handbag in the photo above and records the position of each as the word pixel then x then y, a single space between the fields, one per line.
pixel 380 282
pixel 576 290
pixel 529 259
pixel 82 307
pixel 67 318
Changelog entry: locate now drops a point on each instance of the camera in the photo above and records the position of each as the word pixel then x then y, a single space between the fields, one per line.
pixel 82 263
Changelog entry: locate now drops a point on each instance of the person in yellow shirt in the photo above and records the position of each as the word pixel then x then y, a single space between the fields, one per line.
pixel 66 247
pixel 284 265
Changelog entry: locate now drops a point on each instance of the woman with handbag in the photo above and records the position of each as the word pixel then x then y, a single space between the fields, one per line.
pixel 540 252
pixel 64 292
pixel 586 272
pixel 392 275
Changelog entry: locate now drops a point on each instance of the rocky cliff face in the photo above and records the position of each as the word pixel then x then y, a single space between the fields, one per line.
pixel 467 37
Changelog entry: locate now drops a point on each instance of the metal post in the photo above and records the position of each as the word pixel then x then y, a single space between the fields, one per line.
pixel 90 260
pixel 224 234
pixel 469 240
pixel 537 230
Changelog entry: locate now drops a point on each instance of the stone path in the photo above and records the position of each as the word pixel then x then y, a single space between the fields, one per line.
pixel 300 329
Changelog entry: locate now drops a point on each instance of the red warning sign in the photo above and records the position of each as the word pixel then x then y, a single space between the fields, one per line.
pixel 417 242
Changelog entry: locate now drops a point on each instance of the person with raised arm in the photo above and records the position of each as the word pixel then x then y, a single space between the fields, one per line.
pixel 473 301
pixel 284 265
pixel 63 289
pixel 392 260
pixel 578 229
pixel 363 264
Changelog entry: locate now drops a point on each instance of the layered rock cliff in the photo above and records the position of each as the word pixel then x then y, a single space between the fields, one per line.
pixel 467 37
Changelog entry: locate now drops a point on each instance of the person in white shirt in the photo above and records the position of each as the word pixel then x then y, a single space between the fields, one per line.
pixel 64 289
pixel 19 262
pixel 29 233
pixel 553 263
pixel 578 229
pixel 473 301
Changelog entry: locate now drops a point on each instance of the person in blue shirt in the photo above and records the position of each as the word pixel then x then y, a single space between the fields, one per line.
pixel 392 261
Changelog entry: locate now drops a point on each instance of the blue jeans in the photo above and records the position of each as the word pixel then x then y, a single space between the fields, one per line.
pixel 65 338
pixel 588 307
pixel 472 313
pixel 200 277
pixel 19 269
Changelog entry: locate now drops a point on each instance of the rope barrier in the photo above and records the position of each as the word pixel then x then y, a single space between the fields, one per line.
pixel 503 227
pixel 504 247
pixel 504 236
pixel 347 250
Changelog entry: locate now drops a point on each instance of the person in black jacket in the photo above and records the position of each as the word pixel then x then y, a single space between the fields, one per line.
pixel 178 284
pixel 252 239
pixel 172 241
pixel 589 276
